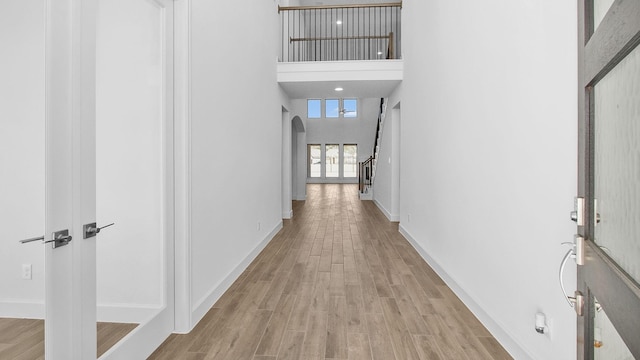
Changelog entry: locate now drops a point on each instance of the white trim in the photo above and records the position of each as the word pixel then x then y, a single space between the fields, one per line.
pixel 143 340
pixel 122 313
pixel 513 347
pixel 387 214
pixel 302 71
pixel 182 111
pixel 210 299
pixel 126 313
pixel 287 214
pixel 21 309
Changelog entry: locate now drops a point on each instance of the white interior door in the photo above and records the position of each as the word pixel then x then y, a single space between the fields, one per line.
pixel 48 126
pixel 134 185
pixel 70 315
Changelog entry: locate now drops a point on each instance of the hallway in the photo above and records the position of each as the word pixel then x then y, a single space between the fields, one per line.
pixel 337 282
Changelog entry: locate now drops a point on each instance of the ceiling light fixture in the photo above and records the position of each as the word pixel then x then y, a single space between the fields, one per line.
pixel 339 89
pixel 339 22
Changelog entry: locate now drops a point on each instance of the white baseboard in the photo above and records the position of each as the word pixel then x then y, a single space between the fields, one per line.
pixel 510 344
pixel 210 299
pixel 120 313
pixel 125 313
pixel 21 309
pixel 287 214
pixel 387 214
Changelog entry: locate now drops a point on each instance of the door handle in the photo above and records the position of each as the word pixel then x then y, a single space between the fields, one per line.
pixel 91 230
pixel 60 238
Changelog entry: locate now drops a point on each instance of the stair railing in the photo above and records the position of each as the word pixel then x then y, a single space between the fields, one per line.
pixel 366 169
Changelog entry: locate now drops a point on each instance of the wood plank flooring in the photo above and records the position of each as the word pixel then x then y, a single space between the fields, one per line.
pixel 23 339
pixel 337 282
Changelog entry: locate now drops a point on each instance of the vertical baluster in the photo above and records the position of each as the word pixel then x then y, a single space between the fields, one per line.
pixel 301 35
pixel 281 36
pixel 289 44
pixel 321 33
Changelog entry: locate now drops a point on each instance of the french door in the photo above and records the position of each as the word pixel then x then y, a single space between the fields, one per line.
pixel 609 180
pixel 82 78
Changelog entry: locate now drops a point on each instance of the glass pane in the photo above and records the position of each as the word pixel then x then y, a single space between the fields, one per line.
pixel 333 160
pixel 332 109
pixel 350 161
pixel 607 342
pixel 315 161
pixel 350 108
pixel 600 8
pixel 617 163
pixel 314 109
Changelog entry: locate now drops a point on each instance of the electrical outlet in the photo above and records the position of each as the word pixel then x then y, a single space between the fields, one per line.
pixel 408 218
pixel 258 225
pixel 26 271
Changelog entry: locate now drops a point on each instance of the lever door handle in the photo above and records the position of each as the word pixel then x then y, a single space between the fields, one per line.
pixel 60 238
pixel 91 230
pixel 32 239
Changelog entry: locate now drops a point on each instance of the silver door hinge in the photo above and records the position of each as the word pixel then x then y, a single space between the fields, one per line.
pixel 579 249
pixel 578 302
pixel 577 214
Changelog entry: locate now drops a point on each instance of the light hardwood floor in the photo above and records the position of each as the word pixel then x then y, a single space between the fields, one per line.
pixel 23 339
pixel 337 282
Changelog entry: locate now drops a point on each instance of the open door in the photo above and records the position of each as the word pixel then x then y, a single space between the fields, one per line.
pixel 56 77
pixel 608 206
pixel 70 314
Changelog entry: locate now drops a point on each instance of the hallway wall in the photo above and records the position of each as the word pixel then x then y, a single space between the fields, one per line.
pixel 235 141
pixel 488 176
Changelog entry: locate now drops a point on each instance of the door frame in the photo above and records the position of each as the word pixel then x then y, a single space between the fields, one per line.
pixel 600 51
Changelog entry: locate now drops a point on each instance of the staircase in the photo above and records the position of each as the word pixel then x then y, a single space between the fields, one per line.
pixel 367 168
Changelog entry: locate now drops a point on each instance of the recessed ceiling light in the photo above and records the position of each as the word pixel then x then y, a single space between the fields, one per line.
pixel 339 22
pixel 379 52
pixel 339 89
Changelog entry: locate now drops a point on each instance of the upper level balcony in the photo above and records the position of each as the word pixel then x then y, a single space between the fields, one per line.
pixel 324 47
pixel 341 32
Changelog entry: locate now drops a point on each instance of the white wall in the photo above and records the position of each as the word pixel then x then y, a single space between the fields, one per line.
pixel 21 156
pixel 360 130
pixel 488 174
pixel 236 140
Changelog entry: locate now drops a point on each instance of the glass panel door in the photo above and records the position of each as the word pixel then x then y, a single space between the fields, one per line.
pixel 315 161
pixel 609 179
pixel 332 158
pixel 607 342
pixel 350 156
pixel 617 164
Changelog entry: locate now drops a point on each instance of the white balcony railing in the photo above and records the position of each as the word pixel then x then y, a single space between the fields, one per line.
pixel 341 32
